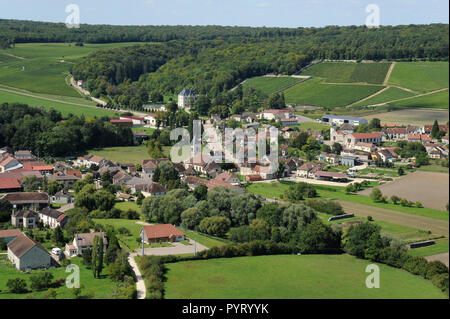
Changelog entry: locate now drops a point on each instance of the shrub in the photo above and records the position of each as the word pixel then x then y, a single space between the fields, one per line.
pixel 17 285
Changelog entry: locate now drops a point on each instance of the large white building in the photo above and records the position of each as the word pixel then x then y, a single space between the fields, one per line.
pixel 186 98
pixel 340 120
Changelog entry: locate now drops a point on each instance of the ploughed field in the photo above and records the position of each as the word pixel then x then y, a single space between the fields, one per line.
pixel 430 188
pixel 290 277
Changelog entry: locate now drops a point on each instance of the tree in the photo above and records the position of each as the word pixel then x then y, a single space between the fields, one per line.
pixel 191 218
pixel 58 236
pixel 41 281
pixel 30 183
pixel 318 238
pixel 53 187
pixel 200 192
pixel 154 149
pixel 400 171
pixel 165 173
pixel 216 225
pixel 376 195
pixel 202 104
pixel 375 124
pixel 17 285
pixel 357 238
pixel 395 199
pixel 336 148
pixel 435 130
pixel 350 188
pixel 300 190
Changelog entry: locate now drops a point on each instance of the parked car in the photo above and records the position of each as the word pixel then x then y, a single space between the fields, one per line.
pixel 57 251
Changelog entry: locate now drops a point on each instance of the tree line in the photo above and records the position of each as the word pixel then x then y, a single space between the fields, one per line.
pixel 47 134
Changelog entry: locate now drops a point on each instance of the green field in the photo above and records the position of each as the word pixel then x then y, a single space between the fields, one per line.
pixel 348 72
pixel 127 205
pixel 123 154
pixel 315 92
pixel 420 76
pixel 438 100
pixel 268 85
pixel 99 288
pixel 41 69
pixel 205 240
pixel 65 105
pixel 127 241
pixel 392 93
pixel 290 277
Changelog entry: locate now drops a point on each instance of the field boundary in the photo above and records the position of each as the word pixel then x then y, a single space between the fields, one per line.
pixel 409 98
pixel 388 73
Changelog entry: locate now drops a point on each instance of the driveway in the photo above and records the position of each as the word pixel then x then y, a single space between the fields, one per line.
pixel 176 249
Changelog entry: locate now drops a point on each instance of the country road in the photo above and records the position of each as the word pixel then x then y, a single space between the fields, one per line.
pixel 436 226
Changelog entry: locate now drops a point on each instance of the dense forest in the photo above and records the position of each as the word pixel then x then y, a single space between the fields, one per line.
pixel 212 60
pixel 46 134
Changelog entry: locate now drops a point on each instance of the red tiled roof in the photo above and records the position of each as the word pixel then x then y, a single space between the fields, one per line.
pixel 10 183
pixel 363 136
pixel 120 121
pixel 398 130
pixel 10 233
pixel 276 111
pixel 162 231
pixel 42 168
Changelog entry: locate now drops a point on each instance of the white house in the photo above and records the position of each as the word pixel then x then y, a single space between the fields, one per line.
pixel 186 98
pixel 82 242
pixel 52 218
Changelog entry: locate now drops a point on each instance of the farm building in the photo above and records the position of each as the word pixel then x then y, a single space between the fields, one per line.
pixel 331 176
pixel 161 233
pixel 25 253
pixel 25 219
pixel 31 200
pixel 340 120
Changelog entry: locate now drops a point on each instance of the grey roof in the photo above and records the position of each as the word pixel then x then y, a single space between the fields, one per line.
pixel 341 117
pixel 20 245
pixel 187 92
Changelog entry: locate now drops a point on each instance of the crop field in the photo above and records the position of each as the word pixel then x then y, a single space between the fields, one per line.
pixel 290 277
pixel 277 189
pixel 420 76
pixel 268 84
pixel 411 116
pixel 437 100
pixel 42 67
pixel 315 92
pixel 392 93
pixel 313 126
pixel 348 72
pixel 97 288
pixel 65 105
pixel 430 188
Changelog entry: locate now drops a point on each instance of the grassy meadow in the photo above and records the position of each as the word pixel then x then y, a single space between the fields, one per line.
pixel 100 288
pixel 290 277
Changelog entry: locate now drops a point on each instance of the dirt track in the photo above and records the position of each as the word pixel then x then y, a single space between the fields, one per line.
pixel 436 226
pixel 441 257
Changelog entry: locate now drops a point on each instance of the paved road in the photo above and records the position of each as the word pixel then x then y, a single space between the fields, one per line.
pixel 176 249
pixel 140 284
pixel 436 226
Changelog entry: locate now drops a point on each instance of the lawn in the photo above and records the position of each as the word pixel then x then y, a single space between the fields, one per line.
pixel 268 85
pixel 315 92
pixel 348 72
pixel 99 288
pixel 438 100
pixel 149 130
pixel 204 239
pixel 392 93
pixel 73 106
pixel 433 167
pixel 440 247
pixel 290 277
pixel 129 241
pixel 123 154
pixel 420 76
pixel 127 205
